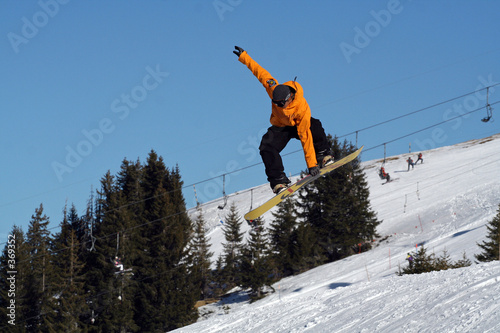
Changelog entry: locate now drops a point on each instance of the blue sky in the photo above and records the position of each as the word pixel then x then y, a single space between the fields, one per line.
pixel 86 84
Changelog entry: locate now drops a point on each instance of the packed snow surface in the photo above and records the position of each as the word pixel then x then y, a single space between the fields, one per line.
pixel 443 204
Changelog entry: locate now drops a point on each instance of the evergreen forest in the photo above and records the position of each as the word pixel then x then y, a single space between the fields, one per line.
pixel 134 260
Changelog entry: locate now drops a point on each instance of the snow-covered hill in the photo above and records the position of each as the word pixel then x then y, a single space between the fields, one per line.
pixel 444 203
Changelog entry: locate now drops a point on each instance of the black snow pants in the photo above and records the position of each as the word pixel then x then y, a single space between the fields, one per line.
pixel 276 139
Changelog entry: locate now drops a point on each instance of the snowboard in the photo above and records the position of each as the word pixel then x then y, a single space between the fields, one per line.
pixel 289 191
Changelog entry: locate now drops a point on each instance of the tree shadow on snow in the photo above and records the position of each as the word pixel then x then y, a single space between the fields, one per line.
pixel 338 285
pixel 331 286
pixel 235 297
pixel 460 233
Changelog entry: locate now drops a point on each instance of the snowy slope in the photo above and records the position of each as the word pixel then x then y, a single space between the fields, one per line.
pixel 443 203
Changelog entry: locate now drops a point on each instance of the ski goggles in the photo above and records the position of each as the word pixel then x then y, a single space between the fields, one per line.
pixel 281 103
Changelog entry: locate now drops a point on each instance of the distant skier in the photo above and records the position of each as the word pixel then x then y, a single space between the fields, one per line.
pixel 384 175
pixel 409 257
pixel 290 119
pixel 410 163
pixel 420 159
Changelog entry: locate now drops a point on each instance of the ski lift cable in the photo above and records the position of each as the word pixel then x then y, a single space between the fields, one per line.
pixel 241 192
pixel 183 212
pixel 378 124
pixel 369 127
pixel 428 127
pixel 117 289
pixel 404 136
pixel 150 222
pixel 367 149
pixel 259 163
pixel 421 110
pixel 105 292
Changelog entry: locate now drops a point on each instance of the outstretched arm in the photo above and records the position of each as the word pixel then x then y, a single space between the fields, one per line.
pixel 267 80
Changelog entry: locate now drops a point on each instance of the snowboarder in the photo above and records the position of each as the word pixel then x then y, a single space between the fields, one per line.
pixel 410 163
pixel 409 257
pixel 118 263
pixel 384 175
pixel 420 159
pixel 290 118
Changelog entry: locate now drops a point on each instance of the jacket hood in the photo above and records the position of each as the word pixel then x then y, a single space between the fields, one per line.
pixel 296 87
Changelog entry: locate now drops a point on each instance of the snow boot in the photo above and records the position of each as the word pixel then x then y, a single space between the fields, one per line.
pixel 327 160
pixel 280 185
pixel 324 158
pixel 279 188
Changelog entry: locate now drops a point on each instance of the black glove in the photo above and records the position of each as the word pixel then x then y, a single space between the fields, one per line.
pixel 314 171
pixel 238 51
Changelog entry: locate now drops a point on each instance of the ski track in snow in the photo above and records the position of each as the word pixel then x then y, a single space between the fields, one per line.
pixel 444 204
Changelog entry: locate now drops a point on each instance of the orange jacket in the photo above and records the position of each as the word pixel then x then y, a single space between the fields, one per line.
pixel 297 113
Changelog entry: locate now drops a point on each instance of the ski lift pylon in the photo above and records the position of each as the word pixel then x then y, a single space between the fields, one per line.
pixel 385 153
pixel 251 199
pixel 221 207
pixel 489 109
pixel 196 196
pixel 117 243
pixel 92 238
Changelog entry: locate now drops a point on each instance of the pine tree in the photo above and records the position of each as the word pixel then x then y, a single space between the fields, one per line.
pixel 109 291
pixel 39 290
pixel 140 216
pixel 306 253
pixel 187 292
pixel 280 237
pixel 87 242
pixel 68 277
pixel 443 262
pixel 167 294
pixel 76 223
pixel 491 247
pixel 200 252
pixel 424 263
pixel 464 262
pixel 337 207
pixel 129 182
pixel 131 245
pixel 232 247
pixel 255 264
pixel 14 263
pixel 217 277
